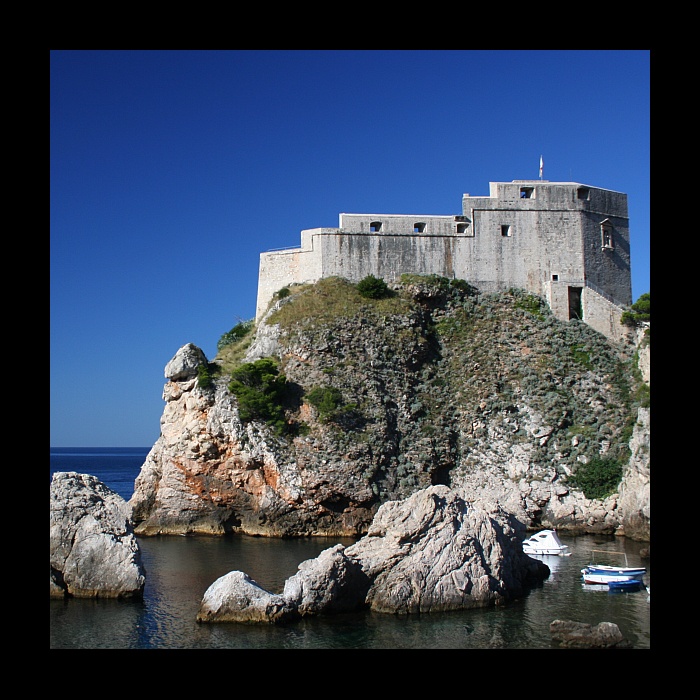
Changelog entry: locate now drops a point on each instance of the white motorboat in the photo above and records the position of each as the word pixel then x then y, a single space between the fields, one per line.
pixel 546 542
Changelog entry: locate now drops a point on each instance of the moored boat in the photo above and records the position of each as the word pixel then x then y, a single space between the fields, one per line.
pixel 604 573
pixel 625 584
pixel 546 542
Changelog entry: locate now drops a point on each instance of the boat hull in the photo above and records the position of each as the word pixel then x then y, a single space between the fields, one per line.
pixel 606 574
pixel 628 585
pixel 622 570
pixel 546 552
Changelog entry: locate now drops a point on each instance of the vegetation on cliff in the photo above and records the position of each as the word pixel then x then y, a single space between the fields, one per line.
pixel 424 381
pixel 639 312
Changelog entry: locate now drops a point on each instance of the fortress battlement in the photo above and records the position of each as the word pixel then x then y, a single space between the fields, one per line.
pixel 564 241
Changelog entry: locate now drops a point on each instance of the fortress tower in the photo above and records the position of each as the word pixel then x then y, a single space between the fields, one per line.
pixel 563 241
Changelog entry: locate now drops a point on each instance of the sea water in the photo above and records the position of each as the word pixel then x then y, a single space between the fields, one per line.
pixel 180 569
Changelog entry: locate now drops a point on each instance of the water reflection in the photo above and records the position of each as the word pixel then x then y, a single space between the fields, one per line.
pixel 95 624
pixel 551 561
pixel 180 569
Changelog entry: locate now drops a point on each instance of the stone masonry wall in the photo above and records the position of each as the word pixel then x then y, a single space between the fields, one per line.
pixel 544 243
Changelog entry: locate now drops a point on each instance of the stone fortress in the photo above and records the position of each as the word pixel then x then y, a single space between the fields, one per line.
pixel 563 241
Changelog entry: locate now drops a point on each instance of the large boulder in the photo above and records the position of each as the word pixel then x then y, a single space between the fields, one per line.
pixel 434 552
pixel 581 635
pixel 431 552
pixel 331 583
pixel 185 363
pixel 93 549
pixel 236 597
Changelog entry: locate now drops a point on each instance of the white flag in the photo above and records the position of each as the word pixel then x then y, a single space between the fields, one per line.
pixel 541 166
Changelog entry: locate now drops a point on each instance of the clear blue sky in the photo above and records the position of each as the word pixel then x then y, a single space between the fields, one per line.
pixel 171 171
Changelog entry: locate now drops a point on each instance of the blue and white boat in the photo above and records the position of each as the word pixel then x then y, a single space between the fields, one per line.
pixel 599 573
pixel 625 584
pixel 604 573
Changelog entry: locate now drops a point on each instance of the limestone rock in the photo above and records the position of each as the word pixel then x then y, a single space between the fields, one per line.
pixel 209 474
pixel 331 583
pixel 644 352
pixel 425 400
pixel 605 635
pixel 435 552
pixel 184 364
pixel 93 550
pixel 635 488
pixel 235 597
pixel 266 341
pixel 431 552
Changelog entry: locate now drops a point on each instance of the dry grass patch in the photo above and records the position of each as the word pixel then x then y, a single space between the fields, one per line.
pixel 331 298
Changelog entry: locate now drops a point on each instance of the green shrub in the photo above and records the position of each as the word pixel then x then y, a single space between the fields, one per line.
pixel 639 312
pixel 463 286
pixel 598 478
pixel 260 390
pixel 531 304
pixel 283 293
pixel 206 373
pixel 642 395
pixel 582 355
pixel 326 400
pixel 372 287
pixel 239 331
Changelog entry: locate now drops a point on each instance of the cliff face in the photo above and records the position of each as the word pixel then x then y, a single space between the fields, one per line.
pixel 487 394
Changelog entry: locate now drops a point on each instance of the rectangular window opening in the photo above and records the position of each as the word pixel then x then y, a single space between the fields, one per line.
pixel 505 229
pixel 418 227
pixel 527 192
pixel 375 226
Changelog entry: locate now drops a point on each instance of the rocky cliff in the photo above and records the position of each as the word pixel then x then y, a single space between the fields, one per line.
pixel 437 384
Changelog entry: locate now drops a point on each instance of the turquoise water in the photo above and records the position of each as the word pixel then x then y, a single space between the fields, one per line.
pixel 180 569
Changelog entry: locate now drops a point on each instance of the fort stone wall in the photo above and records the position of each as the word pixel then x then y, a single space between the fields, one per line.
pixel 280 268
pixel 556 240
pixel 604 316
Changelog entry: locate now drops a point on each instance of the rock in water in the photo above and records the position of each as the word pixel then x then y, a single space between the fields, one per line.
pixel 581 635
pixel 94 552
pixel 431 552
pixel 434 552
pixel 235 597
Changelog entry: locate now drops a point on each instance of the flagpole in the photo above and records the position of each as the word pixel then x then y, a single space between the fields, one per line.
pixel 541 166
